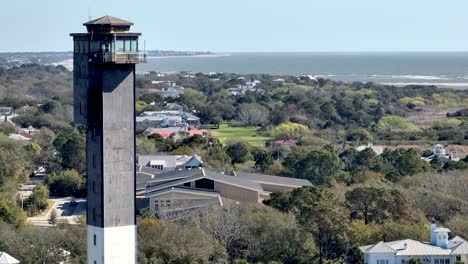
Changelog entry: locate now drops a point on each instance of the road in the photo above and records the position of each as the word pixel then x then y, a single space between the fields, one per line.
pixel 65 211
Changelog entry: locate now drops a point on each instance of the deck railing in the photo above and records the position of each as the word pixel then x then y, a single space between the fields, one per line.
pixel 123 57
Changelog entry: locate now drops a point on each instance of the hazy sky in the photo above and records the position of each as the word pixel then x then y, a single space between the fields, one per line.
pixel 247 25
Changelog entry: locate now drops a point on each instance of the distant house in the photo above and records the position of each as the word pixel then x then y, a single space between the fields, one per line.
pixel 20 136
pixel 173 92
pixel 7 259
pixel 29 130
pixel 439 152
pixel 168 132
pixel 6 111
pixel 159 121
pixel 307 77
pixel 173 106
pixel 170 162
pixel 377 149
pixel 440 250
pixel 196 188
pixel 167 83
pixel 193 132
pixel 286 142
pixel 6 119
pixel 279 81
pixel 250 86
pixel 167 118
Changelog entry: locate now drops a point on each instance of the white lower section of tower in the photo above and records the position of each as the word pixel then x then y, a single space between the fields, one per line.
pixel 111 245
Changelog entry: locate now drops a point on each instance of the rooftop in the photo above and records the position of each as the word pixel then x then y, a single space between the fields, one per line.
pixel 108 20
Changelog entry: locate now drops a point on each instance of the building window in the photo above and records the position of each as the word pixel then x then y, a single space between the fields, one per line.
pixel 127 45
pixel 94 239
pixel 382 261
pixel 95 46
pixel 94 160
pixel 158 167
pixel 119 45
pixel 94 186
pixel 133 45
pixel 204 184
pixel 94 214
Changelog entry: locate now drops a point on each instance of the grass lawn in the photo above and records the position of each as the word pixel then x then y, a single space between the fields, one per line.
pixel 247 134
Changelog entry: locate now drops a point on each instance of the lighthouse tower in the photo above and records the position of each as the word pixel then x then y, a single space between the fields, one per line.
pixel 104 61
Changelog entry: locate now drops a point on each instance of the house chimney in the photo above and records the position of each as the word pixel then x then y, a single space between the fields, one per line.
pixel 433 235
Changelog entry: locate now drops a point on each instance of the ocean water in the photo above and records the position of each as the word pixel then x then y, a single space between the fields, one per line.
pixel 449 69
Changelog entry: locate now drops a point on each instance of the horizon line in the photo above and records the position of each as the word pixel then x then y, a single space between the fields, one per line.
pixel 224 52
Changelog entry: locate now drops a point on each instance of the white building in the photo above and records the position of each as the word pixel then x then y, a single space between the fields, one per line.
pixel 170 162
pixel 439 152
pixel 7 259
pixel 377 149
pixel 440 250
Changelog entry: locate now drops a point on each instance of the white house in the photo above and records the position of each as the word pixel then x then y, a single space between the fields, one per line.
pixel 377 149
pixel 170 162
pixel 439 152
pixel 7 259
pixel 440 250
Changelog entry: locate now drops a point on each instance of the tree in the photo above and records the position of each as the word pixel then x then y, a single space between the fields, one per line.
pixel 51 107
pixel 39 199
pixel 152 97
pixel 403 162
pixel 67 183
pixel 145 146
pixel 238 152
pixel 364 201
pixel 33 148
pixel 53 217
pixel 281 239
pixel 437 164
pixel 161 242
pixel 396 123
pixel 318 166
pixel 252 115
pixel 415 261
pixel 73 153
pixel 378 204
pixel 33 244
pixel 289 131
pixel 263 159
pixel 318 211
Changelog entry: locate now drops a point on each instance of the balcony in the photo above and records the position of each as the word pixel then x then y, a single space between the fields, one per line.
pixel 121 57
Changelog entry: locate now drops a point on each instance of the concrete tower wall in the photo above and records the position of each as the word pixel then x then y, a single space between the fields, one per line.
pixel 118 102
pixel 80 87
pixel 111 164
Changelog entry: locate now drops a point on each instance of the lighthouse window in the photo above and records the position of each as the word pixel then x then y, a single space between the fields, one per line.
pixel 133 45
pixel 95 46
pixel 127 45
pixel 119 45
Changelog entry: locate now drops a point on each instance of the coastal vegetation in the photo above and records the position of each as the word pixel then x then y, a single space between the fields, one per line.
pixel 302 128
